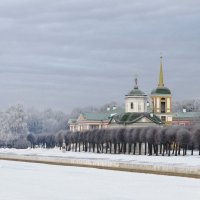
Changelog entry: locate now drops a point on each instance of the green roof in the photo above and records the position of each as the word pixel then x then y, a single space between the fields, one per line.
pixel 98 116
pixel 186 115
pixel 71 121
pixel 161 91
pixel 128 118
pixel 136 92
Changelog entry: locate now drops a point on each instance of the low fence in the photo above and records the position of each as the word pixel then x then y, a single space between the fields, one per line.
pixel 175 170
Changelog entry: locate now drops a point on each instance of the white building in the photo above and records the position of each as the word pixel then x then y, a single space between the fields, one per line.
pixel 136 100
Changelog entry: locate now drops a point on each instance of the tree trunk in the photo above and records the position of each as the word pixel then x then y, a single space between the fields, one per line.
pixel 124 148
pixel 76 147
pixel 156 149
pixel 169 149
pixel 149 149
pixel 186 147
pixel 120 148
pixel 93 146
pixel 110 147
pixel 89 147
pixel 166 148
pixel 176 149
pixel 102 147
pixel 115 148
pixel 174 145
pixel 179 149
pixel 98 148
pixel 86 147
pixel 160 148
pixel 134 148
pixel 163 153
pixel 83 147
pixel 106 147
pixel 192 149
pixel 129 148
pixel 140 148
pixel 199 150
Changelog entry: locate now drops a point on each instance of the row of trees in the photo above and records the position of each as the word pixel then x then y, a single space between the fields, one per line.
pixel 16 123
pixel 151 140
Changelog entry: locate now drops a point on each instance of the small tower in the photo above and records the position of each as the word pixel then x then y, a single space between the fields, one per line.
pixel 136 100
pixel 161 100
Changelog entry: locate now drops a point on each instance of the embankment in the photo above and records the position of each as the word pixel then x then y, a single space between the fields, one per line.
pixel 170 170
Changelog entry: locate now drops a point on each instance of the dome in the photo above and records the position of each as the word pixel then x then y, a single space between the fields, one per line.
pixel 136 92
pixel 161 90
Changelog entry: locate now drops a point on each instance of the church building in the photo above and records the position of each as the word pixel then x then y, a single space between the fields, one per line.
pixel 138 112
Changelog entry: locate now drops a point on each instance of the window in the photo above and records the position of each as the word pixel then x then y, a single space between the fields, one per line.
pixel 163 118
pixel 163 105
pixel 132 105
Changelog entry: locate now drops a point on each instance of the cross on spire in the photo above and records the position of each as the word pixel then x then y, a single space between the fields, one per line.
pixel 136 82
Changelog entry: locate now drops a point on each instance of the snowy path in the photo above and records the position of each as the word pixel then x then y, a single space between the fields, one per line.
pixel 22 181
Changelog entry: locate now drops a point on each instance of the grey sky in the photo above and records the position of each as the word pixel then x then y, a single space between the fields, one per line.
pixel 74 53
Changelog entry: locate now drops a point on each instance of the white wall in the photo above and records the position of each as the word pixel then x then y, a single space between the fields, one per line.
pixel 139 104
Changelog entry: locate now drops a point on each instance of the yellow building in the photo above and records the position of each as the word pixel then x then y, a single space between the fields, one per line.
pixel 161 100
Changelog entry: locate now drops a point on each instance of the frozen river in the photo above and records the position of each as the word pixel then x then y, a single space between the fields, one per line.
pixel 22 181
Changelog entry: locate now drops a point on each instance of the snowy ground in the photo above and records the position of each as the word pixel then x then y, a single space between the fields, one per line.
pixel 182 161
pixel 22 181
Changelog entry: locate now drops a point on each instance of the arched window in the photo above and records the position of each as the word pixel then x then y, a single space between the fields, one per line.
pixel 163 105
pixel 132 105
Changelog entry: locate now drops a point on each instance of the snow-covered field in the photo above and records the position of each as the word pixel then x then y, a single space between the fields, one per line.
pixel 182 161
pixel 22 181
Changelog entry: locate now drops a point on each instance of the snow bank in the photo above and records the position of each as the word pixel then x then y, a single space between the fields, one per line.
pixel 175 165
pixel 22 181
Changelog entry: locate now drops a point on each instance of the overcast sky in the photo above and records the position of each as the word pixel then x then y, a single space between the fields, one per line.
pixel 75 53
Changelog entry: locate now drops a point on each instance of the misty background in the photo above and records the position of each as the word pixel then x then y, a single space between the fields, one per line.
pixel 75 53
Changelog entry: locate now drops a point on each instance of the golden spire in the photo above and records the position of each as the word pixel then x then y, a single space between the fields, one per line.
pixel 161 82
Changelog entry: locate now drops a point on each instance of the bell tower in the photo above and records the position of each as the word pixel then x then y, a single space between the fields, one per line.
pixel 161 99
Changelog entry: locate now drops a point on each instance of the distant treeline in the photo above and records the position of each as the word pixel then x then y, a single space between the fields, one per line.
pixel 141 141
pixel 16 123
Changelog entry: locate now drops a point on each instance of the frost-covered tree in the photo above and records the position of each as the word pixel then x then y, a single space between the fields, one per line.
pixel 47 121
pixel 15 118
pixel 17 123
pixel 34 121
pixel 12 125
pixel 192 105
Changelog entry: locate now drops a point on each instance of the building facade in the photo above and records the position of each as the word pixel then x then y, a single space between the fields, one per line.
pixel 93 120
pixel 186 118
